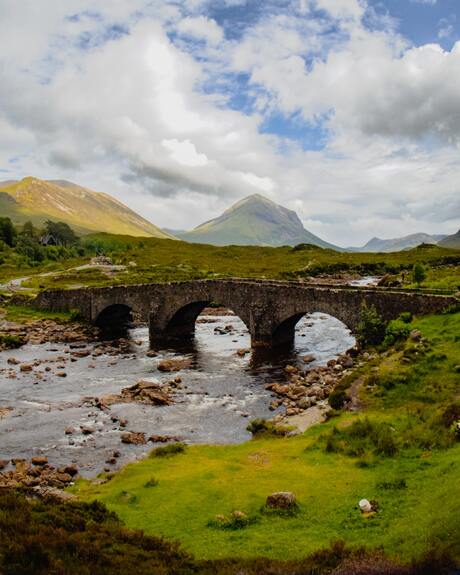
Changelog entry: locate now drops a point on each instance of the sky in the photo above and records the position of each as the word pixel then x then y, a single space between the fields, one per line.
pixel 347 111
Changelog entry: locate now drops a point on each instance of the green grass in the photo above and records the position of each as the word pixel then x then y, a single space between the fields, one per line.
pixel 24 314
pixel 156 260
pixel 415 485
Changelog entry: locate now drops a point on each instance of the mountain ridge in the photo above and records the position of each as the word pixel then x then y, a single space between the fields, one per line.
pixel 254 220
pixel 84 209
pixel 452 241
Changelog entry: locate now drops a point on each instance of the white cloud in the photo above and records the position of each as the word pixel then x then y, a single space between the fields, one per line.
pixel 262 184
pixel 202 28
pixel 185 153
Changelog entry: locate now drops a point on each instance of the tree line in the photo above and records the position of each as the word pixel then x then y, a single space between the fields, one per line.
pixel 53 241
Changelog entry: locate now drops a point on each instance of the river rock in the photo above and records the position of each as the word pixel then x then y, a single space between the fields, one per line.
pixel 242 352
pixel 168 365
pixel 163 438
pixel 3 463
pixel 39 460
pixel 133 437
pixel 24 367
pixel 71 470
pixel 148 392
pixel 309 358
pixel 281 500
pixel 290 369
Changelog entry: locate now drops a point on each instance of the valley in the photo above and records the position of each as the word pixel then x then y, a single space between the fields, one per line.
pixel 171 420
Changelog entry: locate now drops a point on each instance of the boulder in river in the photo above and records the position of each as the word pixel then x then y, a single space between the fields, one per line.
pixel 148 392
pixel 133 437
pixel 39 460
pixel 168 365
pixel 163 438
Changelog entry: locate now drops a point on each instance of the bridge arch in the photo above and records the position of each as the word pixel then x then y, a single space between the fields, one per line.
pixel 114 319
pixel 283 332
pixel 181 321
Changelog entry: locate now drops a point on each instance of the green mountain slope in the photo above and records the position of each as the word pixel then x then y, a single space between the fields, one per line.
pixel 452 241
pixel 85 210
pixel 255 220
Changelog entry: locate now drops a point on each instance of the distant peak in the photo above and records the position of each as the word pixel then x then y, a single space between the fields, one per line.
pixel 253 197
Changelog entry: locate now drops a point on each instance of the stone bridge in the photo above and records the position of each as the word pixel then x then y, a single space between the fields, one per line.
pixel 270 309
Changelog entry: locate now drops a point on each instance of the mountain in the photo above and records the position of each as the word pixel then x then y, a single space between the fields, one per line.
pixel 257 221
pixel 86 211
pixel 398 244
pixel 452 241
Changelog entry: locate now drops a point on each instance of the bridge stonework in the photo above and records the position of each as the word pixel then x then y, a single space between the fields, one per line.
pixel 269 309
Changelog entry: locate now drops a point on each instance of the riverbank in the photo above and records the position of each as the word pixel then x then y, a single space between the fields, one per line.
pixel 400 450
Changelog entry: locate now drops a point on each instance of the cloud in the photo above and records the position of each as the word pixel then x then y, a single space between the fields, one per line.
pixel 201 27
pixel 185 153
pixel 140 109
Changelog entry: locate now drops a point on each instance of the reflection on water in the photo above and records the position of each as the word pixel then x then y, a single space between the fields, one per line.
pixel 221 391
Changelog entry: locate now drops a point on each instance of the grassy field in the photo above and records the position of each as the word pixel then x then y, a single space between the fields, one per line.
pixel 153 260
pixel 401 451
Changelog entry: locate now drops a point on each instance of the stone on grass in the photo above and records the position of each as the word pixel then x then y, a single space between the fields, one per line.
pixel 281 500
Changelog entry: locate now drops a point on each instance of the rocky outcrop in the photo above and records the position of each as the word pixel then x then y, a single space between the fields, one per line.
pixel 37 473
pixel 147 392
pixel 306 389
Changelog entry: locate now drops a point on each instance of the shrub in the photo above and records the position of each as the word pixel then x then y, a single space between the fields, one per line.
pixel 418 274
pixel 371 327
pixel 338 398
pixel 396 330
pixel 75 315
pixel 260 427
pixel 451 414
pixel 405 316
pixel 237 520
pixel 392 484
pixel 168 450
pixel 361 438
pixel 10 341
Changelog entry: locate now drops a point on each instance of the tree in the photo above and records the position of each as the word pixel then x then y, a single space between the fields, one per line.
pixel 371 327
pixel 7 231
pixel 62 233
pixel 29 230
pixel 418 274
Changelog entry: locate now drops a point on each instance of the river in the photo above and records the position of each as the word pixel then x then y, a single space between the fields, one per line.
pixel 221 391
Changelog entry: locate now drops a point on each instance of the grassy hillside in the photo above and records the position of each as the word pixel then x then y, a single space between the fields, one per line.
pixel 154 260
pixel 401 451
pixel 85 210
pixel 255 220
